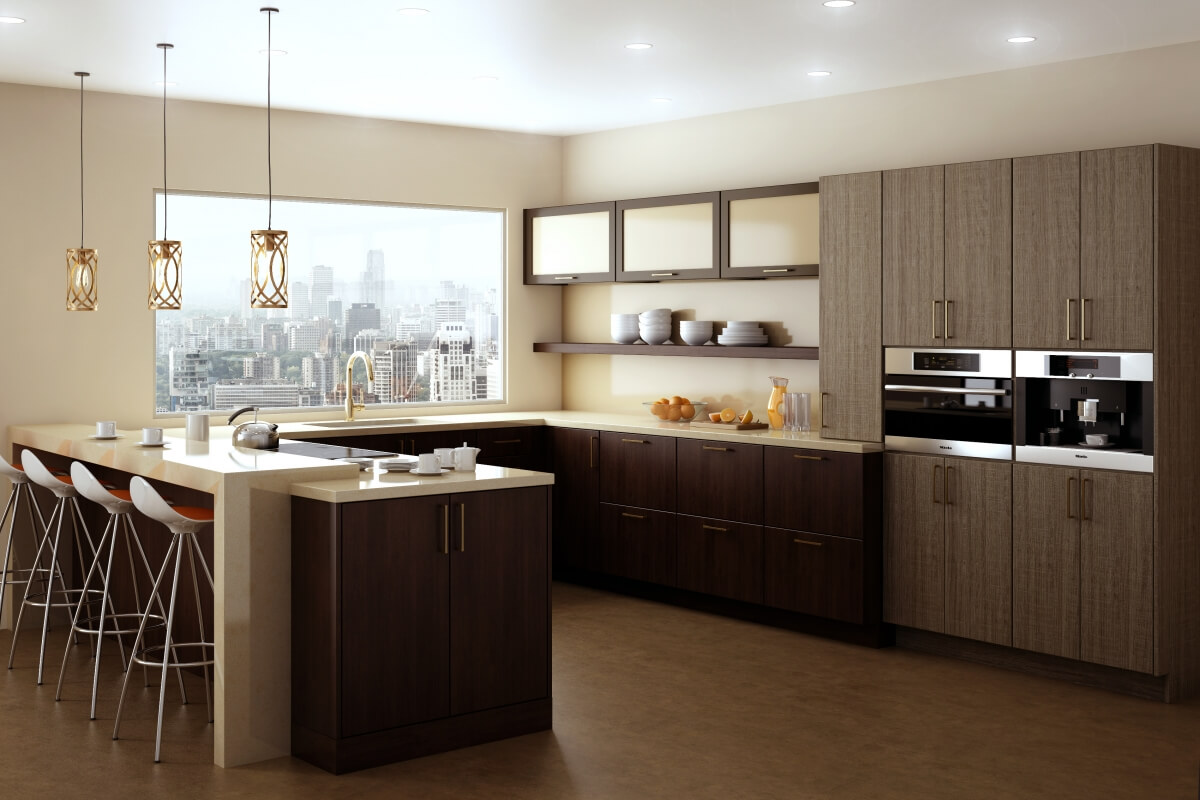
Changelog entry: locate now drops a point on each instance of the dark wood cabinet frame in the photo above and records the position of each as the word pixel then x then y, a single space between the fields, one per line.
pixel 712 270
pixel 773 271
pixel 561 279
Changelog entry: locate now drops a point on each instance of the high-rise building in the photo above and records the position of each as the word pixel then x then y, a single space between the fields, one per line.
pixel 319 372
pixel 274 338
pixel 333 310
pixel 188 372
pixel 373 280
pixel 395 370
pixel 447 311
pixel 367 339
pixel 321 291
pixel 304 337
pixel 298 300
pixel 451 364
pixel 358 317
pixel 236 393
pixel 261 366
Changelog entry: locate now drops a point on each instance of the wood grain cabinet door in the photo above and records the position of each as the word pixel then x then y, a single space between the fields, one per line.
pixel 1046 251
pixel 978 505
pixel 1045 554
pixel 720 480
pixel 1116 614
pixel 914 257
pixel 1117 248
pixel 914 544
pixel 814 490
pixel 499 598
pixel 719 557
pixel 395 625
pixel 637 543
pixel 637 470
pixel 576 459
pixel 851 307
pixel 814 574
pixel 978 252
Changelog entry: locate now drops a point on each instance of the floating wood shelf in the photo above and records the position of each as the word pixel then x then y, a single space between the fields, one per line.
pixel 703 351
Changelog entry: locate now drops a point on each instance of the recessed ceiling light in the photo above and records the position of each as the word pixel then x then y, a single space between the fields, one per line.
pixel 819 73
pixel 11 20
pixel 838 3
pixel 413 12
pixel 273 52
pixel 638 46
pixel 660 99
pixel 1021 39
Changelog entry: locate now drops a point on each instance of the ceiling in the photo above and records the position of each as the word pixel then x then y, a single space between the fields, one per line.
pixel 559 66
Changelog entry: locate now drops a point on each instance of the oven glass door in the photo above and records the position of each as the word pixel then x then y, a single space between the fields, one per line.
pixel 951 415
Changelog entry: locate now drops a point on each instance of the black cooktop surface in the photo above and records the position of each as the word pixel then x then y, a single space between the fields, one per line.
pixel 318 450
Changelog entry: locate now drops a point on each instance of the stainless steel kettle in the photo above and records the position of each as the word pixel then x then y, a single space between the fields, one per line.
pixel 255 435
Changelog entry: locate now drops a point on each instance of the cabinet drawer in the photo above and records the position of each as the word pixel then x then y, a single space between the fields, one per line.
pixel 637 543
pixel 720 480
pixel 814 490
pixel 718 557
pixel 813 574
pixel 637 470
pixel 521 447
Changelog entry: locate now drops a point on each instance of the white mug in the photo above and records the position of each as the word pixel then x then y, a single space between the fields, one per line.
pixel 428 462
pixel 445 456
pixel 464 457
pixel 152 435
pixel 106 429
pixel 197 427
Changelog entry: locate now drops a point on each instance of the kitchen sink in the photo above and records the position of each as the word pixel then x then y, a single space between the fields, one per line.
pixel 363 423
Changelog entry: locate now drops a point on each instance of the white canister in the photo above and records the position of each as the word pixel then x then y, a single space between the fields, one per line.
pixel 197 427
pixel 464 457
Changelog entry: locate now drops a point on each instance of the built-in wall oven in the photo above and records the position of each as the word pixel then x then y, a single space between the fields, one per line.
pixel 948 402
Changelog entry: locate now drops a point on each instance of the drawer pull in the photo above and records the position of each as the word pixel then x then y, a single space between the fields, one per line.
pixel 507 441
pixel 807 542
pixel 715 528
pixel 780 269
pixel 808 458
pixel 717 449
pixel 635 441
pixel 633 516
pixel 663 274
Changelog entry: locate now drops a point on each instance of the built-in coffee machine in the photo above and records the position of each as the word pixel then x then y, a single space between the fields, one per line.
pixel 1085 409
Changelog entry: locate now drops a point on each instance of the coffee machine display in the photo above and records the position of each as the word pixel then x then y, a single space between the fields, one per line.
pixel 1085 409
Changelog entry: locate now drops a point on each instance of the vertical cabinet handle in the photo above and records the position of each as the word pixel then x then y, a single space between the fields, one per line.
pixel 462 527
pixel 825 409
pixel 445 529
pixel 1085 500
pixel 933 315
pixel 1070 498
pixel 949 485
pixel 1083 324
pixel 1070 334
pixel 946 319
pixel 936 481
pixel 592 451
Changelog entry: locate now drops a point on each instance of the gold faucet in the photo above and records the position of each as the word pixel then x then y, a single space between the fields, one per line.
pixel 352 406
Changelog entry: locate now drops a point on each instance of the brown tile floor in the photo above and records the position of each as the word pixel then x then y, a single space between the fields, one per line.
pixel 658 702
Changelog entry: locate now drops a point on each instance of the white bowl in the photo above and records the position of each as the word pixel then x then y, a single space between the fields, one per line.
pixel 626 337
pixel 656 312
pixel 693 338
pixel 656 337
pixel 741 325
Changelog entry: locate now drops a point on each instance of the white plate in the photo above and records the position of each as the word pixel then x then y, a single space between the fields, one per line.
pixel 152 444
pixel 104 438
pixel 396 469
pixel 428 474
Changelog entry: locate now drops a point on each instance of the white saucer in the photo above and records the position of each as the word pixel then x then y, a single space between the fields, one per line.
pixel 152 444
pixel 396 469
pixel 104 438
pixel 428 474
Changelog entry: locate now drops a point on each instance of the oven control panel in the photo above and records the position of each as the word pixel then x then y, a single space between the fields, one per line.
pixel 945 362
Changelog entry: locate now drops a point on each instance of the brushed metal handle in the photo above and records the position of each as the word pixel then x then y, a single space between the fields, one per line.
pixel 716 449
pixel 1083 322
pixel 1070 497
pixel 933 315
pixel 825 409
pixel 715 528
pixel 807 542
pixel 635 441
pixel 1085 500
pixel 946 319
pixel 507 441
pixel 1070 336
pixel 808 458
pixel 949 485
pixel 566 277
pixel 592 451
pixel 936 481
pixel 663 274
pixel 778 269
pixel 446 529
pixel 633 516
pixel 462 527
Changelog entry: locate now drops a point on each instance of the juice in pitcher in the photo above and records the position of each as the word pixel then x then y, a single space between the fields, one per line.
pixel 775 402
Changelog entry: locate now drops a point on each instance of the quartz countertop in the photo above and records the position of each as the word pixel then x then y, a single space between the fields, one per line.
pixel 375 484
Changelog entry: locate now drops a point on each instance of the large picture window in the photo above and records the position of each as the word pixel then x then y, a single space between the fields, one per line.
pixel 419 289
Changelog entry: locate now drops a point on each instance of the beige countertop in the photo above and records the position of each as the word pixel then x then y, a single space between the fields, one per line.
pixel 375 484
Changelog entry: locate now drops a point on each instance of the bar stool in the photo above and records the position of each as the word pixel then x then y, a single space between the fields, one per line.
pixel 22 492
pixel 66 503
pixel 118 504
pixel 184 523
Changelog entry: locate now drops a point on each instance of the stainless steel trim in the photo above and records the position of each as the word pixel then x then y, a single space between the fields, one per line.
pixel 1036 364
pixel 900 387
pixel 566 277
pixel 992 363
pixel 948 447
pixel 1124 460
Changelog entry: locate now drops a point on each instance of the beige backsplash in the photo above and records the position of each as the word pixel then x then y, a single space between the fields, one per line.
pixel 787 309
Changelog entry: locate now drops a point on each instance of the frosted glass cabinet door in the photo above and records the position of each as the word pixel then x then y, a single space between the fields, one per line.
pixel 669 238
pixel 570 244
pixel 770 232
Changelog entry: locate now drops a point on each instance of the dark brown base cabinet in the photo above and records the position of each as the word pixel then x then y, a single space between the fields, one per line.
pixel 419 625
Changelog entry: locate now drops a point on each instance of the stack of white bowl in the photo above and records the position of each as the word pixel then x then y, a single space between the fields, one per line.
pixel 695 332
pixel 742 334
pixel 654 326
pixel 624 328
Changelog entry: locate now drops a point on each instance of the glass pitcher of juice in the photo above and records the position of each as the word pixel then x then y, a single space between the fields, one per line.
pixel 775 402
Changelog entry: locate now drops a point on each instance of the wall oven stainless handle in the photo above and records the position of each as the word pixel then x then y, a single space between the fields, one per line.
pixel 899 387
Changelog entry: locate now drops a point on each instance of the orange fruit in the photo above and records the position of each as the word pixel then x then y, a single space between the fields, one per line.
pixel 676 400
pixel 673 413
pixel 659 410
pixel 727 415
pixel 714 416
pixel 687 410
pixel 748 417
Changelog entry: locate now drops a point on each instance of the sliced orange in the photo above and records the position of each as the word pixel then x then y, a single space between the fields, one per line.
pixel 728 415
pixel 714 416
pixel 748 417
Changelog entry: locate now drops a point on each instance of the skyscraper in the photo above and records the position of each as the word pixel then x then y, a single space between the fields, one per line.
pixel 372 289
pixel 321 290
pixel 358 317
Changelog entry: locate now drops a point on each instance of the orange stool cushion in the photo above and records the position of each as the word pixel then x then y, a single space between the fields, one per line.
pixel 194 513
pixel 121 494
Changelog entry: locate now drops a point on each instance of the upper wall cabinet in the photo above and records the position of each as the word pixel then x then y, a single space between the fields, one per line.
pixel 1083 249
pixel 570 244
pixel 947 255
pixel 669 238
pixel 770 232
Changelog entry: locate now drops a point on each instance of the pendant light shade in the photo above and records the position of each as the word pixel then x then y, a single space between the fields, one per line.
pixel 268 248
pixel 83 263
pixel 165 256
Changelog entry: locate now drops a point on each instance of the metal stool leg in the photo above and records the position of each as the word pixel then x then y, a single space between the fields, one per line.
pixel 49 581
pixel 109 533
pixel 162 683
pixel 154 597
pixel 193 550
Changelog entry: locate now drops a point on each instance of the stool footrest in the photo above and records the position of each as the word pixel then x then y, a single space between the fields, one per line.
pixel 157 622
pixel 140 656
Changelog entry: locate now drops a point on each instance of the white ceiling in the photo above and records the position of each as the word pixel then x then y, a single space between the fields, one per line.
pixel 561 65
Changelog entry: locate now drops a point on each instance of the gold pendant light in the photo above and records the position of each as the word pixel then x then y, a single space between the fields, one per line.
pixel 165 255
pixel 268 248
pixel 82 262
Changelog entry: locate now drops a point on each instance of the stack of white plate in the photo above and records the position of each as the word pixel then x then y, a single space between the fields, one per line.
pixel 742 334
pixel 654 326
pixel 624 328
pixel 400 463
pixel 695 332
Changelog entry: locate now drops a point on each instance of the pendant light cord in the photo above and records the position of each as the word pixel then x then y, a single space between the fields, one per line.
pixel 270 188
pixel 81 161
pixel 164 117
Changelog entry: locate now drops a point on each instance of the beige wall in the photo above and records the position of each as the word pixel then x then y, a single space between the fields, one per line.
pixel 61 366
pixel 1134 98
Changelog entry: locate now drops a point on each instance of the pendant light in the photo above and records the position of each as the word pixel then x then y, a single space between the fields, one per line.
pixel 82 262
pixel 268 248
pixel 165 255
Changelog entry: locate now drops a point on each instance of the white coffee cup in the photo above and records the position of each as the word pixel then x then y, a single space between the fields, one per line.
pixel 445 456
pixel 107 429
pixel 1096 438
pixel 428 462
pixel 152 435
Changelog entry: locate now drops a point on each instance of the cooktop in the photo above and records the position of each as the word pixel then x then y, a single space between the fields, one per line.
pixel 319 450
